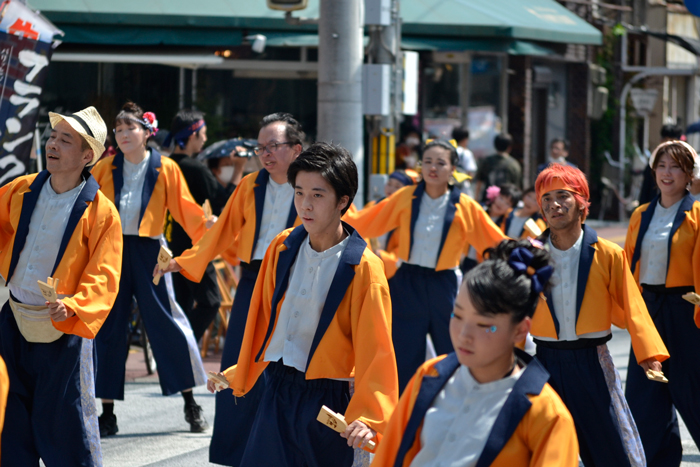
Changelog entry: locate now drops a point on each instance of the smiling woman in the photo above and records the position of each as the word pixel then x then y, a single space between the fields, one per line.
pixel 662 245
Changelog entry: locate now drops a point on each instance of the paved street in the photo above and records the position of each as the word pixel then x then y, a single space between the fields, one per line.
pixel 153 431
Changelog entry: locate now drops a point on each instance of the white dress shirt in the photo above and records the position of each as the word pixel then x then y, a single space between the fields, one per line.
pixel 457 425
pixel 564 291
pixel 278 199
pixel 46 228
pixel 653 261
pixel 428 231
pixel 130 197
pixel 516 226
pixel 310 278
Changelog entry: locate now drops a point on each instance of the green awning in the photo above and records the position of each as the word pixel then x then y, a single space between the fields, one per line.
pixel 221 22
pixel 476 45
pixel 536 20
pixel 425 44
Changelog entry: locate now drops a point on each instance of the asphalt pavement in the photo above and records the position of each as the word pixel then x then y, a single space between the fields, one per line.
pixel 153 432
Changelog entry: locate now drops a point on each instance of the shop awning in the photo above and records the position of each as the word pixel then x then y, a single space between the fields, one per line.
pixel 222 22
pixel 425 44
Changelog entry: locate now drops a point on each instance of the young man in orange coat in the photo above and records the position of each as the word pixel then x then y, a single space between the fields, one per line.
pixel 593 288
pixel 57 224
pixel 320 316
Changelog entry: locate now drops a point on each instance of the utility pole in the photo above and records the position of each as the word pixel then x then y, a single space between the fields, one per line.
pixel 340 53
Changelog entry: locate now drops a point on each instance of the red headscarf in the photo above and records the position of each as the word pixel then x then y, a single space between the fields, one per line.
pixel 564 177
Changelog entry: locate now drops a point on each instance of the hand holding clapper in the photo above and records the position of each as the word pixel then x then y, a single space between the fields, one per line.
pixel 337 422
pixel 48 289
pixel 164 257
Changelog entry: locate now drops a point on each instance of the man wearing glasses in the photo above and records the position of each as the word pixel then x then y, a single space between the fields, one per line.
pixel 261 207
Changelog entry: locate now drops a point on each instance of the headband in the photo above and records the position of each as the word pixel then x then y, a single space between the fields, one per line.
pixel 148 121
pixel 402 177
pixel 556 183
pixel 520 260
pixel 183 135
pixel 693 154
pixel 451 142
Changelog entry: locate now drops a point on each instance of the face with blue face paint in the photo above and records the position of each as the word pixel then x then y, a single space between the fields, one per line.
pixel 484 342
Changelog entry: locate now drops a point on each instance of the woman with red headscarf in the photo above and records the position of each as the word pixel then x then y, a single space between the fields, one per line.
pixel 592 289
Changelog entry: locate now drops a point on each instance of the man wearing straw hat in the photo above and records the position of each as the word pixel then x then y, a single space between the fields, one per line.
pixel 57 224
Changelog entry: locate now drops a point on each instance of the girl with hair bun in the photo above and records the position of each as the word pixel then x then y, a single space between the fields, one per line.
pixel 487 403
pixel 144 185
pixel 662 245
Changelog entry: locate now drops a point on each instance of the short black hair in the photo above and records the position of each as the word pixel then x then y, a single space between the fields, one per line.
pixel 560 140
pixel 437 143
pixel 528 191
pixel 502 142
pixel 184 118
pixel 511 191
pixel 335 165
pixel 671 131
pixel 293 130
pixel 496 287
pixel 460 133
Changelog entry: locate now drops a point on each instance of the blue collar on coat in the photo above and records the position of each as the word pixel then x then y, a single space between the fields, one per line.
pixel 590 237
pixel 516 406
pixel 259 192
pixel 342 279
pixel 149 182
pixel 452 203
pixel 686 205
pixel 87 195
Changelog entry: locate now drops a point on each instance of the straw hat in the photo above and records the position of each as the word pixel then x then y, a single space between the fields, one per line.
pixel 90 125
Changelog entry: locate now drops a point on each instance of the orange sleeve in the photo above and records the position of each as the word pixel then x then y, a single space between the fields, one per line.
pixel 215 241
pixel 390 260
pixel 245 373
pixel 632 233
pixel 99 283
pixel 376 376
pixel 4 390
pixel 696 269
pixel 550 432
pixel 483 233
pixel 630 312
pixel 384 216
pixel 182 205
pixel 394 432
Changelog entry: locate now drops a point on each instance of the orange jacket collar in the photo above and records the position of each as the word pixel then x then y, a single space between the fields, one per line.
pixel 686 205
pixel 455 194
pixel 149 182
pixel 590 237
pixel 87 195
pixel 517 404
pixel 351 256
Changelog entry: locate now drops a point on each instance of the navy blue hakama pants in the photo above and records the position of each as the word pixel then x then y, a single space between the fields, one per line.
pixel 286 433
pixel 589 386
pixel 422 300
pixel 50 410
pixel 235 415
pixel 653 403
pixel 169 332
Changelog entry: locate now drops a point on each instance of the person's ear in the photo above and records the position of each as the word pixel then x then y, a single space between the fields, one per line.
pixel 88 154
pixel 343 202
pixel 522 329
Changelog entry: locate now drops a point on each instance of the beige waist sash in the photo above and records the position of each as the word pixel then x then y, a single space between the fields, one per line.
pixel 34 322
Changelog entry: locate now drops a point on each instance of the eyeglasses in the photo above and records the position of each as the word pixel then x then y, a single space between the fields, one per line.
pixel 272 147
